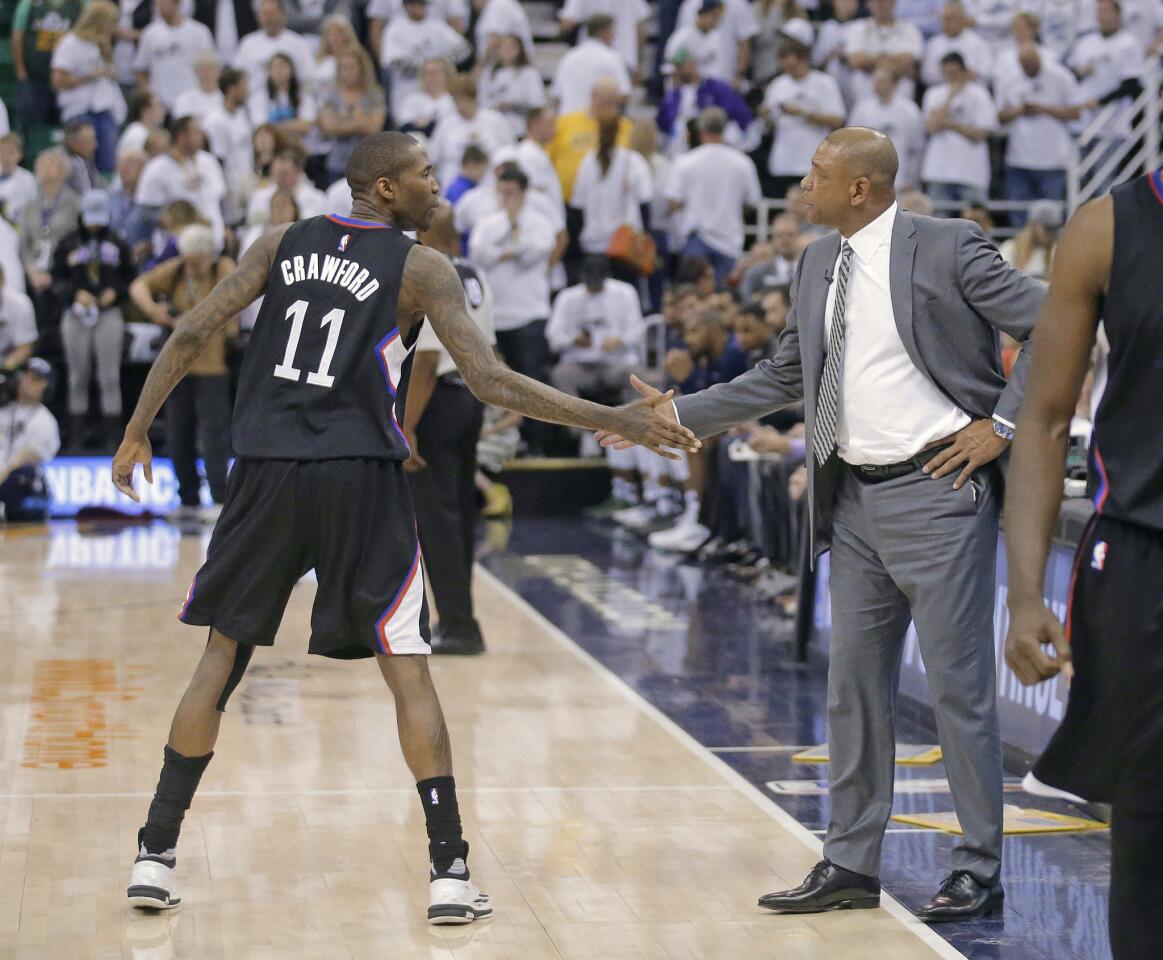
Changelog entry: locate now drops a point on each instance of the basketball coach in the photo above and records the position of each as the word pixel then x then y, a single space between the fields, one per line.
pixel 892 342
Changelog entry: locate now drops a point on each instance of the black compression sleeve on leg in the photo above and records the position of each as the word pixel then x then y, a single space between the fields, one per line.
pixel 242 654
pixel 175 791
pixel 442 816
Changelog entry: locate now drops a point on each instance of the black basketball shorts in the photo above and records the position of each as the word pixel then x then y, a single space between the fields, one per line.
pixel 349 520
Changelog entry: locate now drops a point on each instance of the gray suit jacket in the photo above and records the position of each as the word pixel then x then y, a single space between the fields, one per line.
pixel 951 293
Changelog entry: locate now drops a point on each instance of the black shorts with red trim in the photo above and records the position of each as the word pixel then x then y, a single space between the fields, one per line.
pixel 349 520
pixel 1109 746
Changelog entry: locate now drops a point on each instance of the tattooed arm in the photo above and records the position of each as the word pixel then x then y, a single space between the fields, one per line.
pixel 432 288
pixel 230 296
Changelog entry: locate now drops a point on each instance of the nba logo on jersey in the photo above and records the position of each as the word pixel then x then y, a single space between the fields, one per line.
pixel 1098 558
pixel 343 242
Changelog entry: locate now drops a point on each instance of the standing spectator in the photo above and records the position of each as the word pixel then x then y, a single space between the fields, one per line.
pixel 29 438
pixel 351 110
pixel 1032 249
pixel 512 85
pixel 712 188
pixel 770 16
pixel 287 175
pixel 828 53
pixel 166 51
pixel 205 96
pixel 925 15
pixel 576 133
pixel 533 156
pixel 1063 23
pixel 125 219
pixel 11 267
pixel 496 19
pixel 956 36
pixel 92 270
pixel 1144 19
pixel 17 326
pixel 737 32
pixel 1023 27
pixel 474 167
pixel 86 80
pixel 80 146
pixel 256 49
pixel 690 94
pixel 336 34
pixel 992 18
pixel 186 172
pixel 307 16
pixel 959 116
pixel 469 123
pixel 410 40
pixel 628 20
pixel 382 12
pixel 48 218
pixel 778 269
pixel 665 227
pixel 198 410
pixel 146 114
pixel 230 137
pixel 228 20
pixel 283 101
pixel 613 188
pixel 430 102
pixel 802 105
pixel 1037 103
pixel 593 59
pixel 700 39
pixel 899 118
pixel 512 248
pixel 882 36
pixel 38 26
pixel 17 185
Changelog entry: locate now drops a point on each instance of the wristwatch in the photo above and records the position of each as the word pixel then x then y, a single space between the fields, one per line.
pixel 1002 429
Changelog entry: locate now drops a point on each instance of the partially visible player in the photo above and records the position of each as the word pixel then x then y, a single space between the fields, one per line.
pixel 1109 746
pixel 319 481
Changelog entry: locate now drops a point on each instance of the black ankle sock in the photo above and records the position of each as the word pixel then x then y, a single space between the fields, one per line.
pixel 175 790
pixel 442 815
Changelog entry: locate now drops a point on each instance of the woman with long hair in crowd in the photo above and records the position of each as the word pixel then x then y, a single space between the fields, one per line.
pixel 350 110
pixel 512 85
pixel 644 140
pixel 431 101
pixel 283 102
pixel 335 35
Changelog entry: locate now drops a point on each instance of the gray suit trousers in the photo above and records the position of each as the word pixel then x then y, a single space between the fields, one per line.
pixel 913 546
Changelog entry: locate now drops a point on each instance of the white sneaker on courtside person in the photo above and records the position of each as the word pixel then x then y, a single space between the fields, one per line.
pixel 151 885
pixel 686 536
pixel 453 898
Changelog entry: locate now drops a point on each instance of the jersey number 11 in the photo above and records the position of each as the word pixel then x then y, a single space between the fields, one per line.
pixel 333 321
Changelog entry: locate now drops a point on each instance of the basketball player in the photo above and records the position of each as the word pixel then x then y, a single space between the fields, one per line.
pixel 319 481
pixel 1109 746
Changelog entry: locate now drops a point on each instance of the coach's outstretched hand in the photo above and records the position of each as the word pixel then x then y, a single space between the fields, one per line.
pixel 659 427
pixel 133 450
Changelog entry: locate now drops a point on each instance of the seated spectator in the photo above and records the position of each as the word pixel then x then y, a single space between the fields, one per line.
pixel 256 50
pixel 474 167
pixel 779 268
pixel 287 175
pixel 1024 28
pixel 18 332
pixel 205 96
pixel 992 19
pixel 186 172
pixel 166 49
pixel 713 187
pixel 349 111
pixel 533 153
pixel 230 137
pixel 266 143
pixel 171 221
pixel 283 101
pixel 283 209
pixel 92 270
pixel 336 34
pixel 48 217
pixel 828 52
pixel 700 39
pixel 1064 24
pixel 776 304
pixel 512 85
pixel 957 36
pixel 198 410
pixel 897 117
pixel 380 13
pixel 593 59
pixel 410 40
pixel 157 143
pixel 1032 249
pixel 770 16
pixel 916 201
pixel 430 101
pixel 613 188
pixel 29 438
pixel 980 215
pixel 737 31
pixel 338 197
pixel 925 15
pixel 307 16
pixel 469 123
pixel 125 219
pixel 627 27
pixel 80 147
pixel 576 134
pixel 959 116
pixel 17 185
pixel 146 113
pixel 496 19
pixel 882 37
pixel 689 95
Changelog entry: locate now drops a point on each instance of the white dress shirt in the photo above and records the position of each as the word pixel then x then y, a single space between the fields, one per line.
pixel 714 182
pixel 515 261
pixel 889 410
pixel 615 312
pixel 582 67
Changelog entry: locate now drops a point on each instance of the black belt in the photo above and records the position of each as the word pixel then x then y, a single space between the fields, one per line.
pixel 879 473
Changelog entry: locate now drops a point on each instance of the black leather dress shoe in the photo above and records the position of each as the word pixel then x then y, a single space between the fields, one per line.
pixel 962 897
pixel 828 887
pixel 457 643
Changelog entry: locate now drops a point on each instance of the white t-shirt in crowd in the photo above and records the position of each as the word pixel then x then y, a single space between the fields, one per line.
pixel 582 67
pixel 973 47
pixel 259 106
pixel 231 141
pixel 626 14
pixel 1062 21
pixel 831 37
pixel 488 130
pixel 196 102
pixel 4 128
pixel 1040 142
pixel 198 180
pixel 407 43
pixel 82 58
pixel 10 257
pixel 503 18
pixel 312 202
pixel 520 283
pixel 738 23
pixel 867 37
pixel 714 182
pixel 992 18
pixel 17 321
pixel 133 137
pixel 512 92
pixel 482 201
pixel 389 10
pixel 705 48
pixel 614 312
pixel 338 197
pixel 795 138
pixel 1143 19
pixel 537 166
pixel 16 190
pixel 166 53
pixel 1115 58
pixel 23 426
pixel 610 201
pixel 420 109
pixel 901 121
pixel 950 157
pixel 256 49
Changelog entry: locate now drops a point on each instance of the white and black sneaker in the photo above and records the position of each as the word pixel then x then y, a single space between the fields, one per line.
pixel 151 885
pixel 453 898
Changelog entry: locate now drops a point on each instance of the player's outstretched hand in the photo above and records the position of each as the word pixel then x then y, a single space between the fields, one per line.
pixel 133 450
pixel 1032 629
pixel 651 423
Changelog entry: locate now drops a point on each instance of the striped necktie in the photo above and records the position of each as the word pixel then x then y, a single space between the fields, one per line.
pixel 828 400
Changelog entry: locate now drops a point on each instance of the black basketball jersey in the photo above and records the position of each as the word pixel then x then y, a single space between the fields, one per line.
pixel 1128 445
pixel 326 371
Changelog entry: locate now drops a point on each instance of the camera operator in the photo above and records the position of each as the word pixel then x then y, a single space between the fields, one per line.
pixel 29 438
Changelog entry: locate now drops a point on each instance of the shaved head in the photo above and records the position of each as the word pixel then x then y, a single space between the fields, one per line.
pixel 864 152
pixel 388 154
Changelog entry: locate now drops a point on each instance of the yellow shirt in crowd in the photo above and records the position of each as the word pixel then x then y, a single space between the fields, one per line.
pixel 576 135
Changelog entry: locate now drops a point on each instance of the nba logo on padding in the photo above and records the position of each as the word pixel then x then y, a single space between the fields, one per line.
pixel 435 798
pixel 344 241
